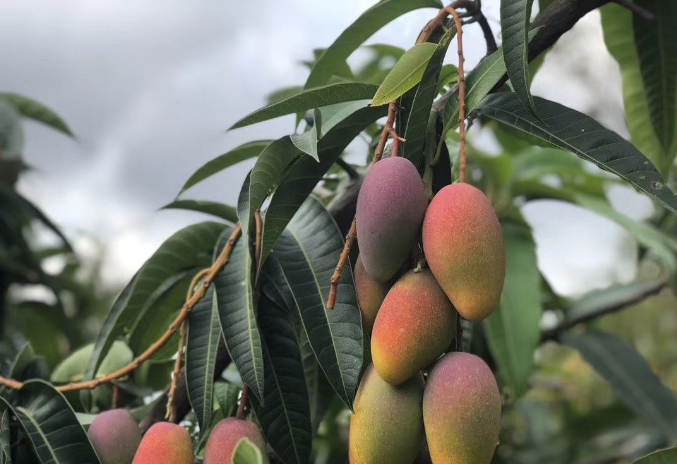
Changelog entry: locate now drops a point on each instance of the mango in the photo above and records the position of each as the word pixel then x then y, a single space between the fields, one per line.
pixel 115 436
pixel 165 443
pixel 461 410
pixel 390 209
pixel 225 436
pixel 414 326
pixel 463 244
pixel 370 295
pixel 387 425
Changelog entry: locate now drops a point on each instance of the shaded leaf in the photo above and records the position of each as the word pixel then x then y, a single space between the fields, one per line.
pixel 630 377
pixel 220 210
pixel 647 55
pixel 515 15
pixel 246 452
pixel 513 331
pixel 422 103
pixel 226 395
pixel 405 75
pixel 235 300
pixel 5 439
pixel 228 159
pixel 667 456
pixel 35 110
pixel 308 100
pixel 570 130
pixel 204 334
pixel 51 425
pixel 307 253
pixel 285 416
pixel 357 33
pixel 305 173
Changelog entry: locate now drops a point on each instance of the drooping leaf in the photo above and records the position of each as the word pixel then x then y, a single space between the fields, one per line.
pixel 225 395
pixel 419 114
pixel 307 253
pixel 51 425
pixel 180 252
pixel 405 75
pixel 630 377
pixel 513 331
pixel 646 51
pixel 228 159
pixel 667 456
pixel 305 173
pixel 246 452
pixel 35 110
pixel 570 130
pixel 515 16
pixel 310 99
pixel 307 141
pixel 204 334
pixel 358 32
pixel 285 416
pixel 11 132
pixel 223 211
pixel 235 300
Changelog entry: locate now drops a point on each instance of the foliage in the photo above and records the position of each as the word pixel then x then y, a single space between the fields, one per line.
pixel 298 363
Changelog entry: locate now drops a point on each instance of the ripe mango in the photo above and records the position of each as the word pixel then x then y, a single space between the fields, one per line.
pixel 463 244
pixel 461 410
pixel 225 436
pixel 165 443
pixel 390 208
pixel 387 426
pixel 115 436
pixel 370 295
pixel 414 326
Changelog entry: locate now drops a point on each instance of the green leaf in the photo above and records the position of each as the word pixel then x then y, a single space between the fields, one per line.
pixel 228 159
pixel 226 395
pixel 357 33
pixel 5 439
pixel 204 334
pixel 305 173
pixel 515 16
pixel 32 109
pixel 285 416
pixel 308 100
pixel 307 254
pixel 422 103
pixel 235 300
pixel 307 141
pixel 181 252
pixel 645 51
pixel 630 377
pixel 51 425
pixel 667 456
pixel 570 130
pixel 405 75
pixel 11 132
pixel 220 210
pixel 513 331
pixel 246 452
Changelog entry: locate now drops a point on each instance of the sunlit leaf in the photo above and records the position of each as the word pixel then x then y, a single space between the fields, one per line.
pixel 405 75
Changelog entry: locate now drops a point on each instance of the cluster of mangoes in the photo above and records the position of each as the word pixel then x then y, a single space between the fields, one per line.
pixel 116 437
pixel 411 312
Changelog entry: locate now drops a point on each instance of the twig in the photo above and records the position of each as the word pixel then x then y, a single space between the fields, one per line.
pixel 459 333
pixel 486 30
pixel 171 410
pixel 461 92
pixel 195 281
pixel 116 396
pixel 243 402
pixel 636 9
pixel 221 261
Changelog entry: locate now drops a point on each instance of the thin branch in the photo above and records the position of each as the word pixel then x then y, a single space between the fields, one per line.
pixel 461 93
pixel 636 9
pixel 488 33
pixel 241 408
pixel 221 261
pixel 171 410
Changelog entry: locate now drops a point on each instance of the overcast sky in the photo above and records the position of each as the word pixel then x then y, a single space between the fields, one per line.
pixel 149 88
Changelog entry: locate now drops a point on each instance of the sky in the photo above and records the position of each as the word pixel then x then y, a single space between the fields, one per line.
pixel 150 87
